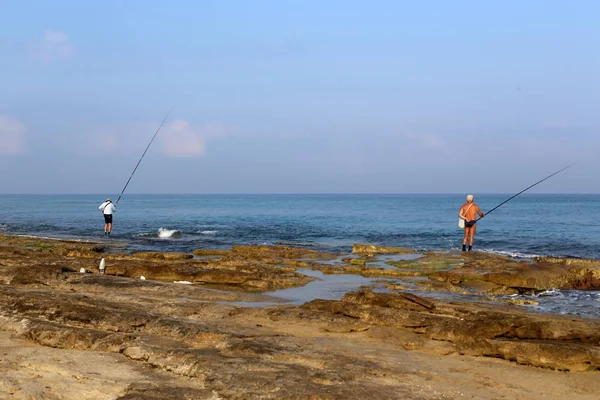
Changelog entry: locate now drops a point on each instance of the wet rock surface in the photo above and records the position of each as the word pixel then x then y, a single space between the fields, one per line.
pixel 524 275
pixel 482 330
pixel 71 335
pixel 371 250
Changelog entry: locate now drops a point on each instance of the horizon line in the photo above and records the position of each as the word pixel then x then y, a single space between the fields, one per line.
pixel 300 194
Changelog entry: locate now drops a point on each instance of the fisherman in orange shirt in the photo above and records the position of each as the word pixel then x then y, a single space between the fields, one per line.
pixel 469 212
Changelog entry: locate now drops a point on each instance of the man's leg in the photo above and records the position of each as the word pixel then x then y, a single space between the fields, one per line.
pixel 105 228
pixel 109 228
pixel 472 236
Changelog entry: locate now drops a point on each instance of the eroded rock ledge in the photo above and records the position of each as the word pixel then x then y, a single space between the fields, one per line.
pixel 356 347
pixel 476 329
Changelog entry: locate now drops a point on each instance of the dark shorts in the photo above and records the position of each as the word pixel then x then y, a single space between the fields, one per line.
pixel 470 224
pixel 108 218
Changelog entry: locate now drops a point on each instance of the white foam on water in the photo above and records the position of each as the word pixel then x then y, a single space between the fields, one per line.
pixel 549 292
pixel 165 233
pixel 581 303
pixel 209 232
pixel 514 254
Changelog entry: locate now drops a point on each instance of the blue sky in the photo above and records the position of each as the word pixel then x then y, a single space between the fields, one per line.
pixel 299 96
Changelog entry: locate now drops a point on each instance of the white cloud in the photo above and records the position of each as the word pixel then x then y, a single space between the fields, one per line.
pixel 12 136
pixel 54 46
pixel 181 139
pixel 178 138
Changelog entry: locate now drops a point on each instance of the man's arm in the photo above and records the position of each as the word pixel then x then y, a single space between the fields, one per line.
pixel 461 213
pixel 480 213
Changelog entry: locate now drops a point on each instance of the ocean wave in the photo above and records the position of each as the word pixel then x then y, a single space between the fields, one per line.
pixel 549 292
pixel 146 234
pixel 208 232
pixel 165 233
pixel 567 302
pixel 514 254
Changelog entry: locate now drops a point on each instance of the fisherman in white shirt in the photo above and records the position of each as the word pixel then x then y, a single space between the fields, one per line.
pixel 107 208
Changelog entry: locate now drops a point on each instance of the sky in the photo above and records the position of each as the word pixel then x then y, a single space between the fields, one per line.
pixel 299 96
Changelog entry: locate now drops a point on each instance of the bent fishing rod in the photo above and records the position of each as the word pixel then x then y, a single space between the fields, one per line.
pixel 147 147
pixel 526 189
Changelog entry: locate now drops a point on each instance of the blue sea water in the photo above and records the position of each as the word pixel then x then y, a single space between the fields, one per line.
pixel 531 224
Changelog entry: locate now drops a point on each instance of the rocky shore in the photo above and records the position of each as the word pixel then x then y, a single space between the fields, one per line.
pixel 203 326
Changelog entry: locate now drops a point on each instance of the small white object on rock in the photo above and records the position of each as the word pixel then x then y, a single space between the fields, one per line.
pixel 143 277
pixel 183 282
pixel 83 271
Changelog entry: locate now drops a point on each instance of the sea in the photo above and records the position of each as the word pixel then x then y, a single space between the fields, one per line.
pixel 561 225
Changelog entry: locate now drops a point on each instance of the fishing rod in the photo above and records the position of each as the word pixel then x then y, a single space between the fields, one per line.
pixel 526 189
pixel 140 160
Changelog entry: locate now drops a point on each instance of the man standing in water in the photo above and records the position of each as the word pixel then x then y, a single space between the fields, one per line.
pixel 107 208
pixel 469 212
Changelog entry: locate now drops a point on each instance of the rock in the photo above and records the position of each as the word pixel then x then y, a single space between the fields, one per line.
pixel 239 273
pixel 156 255
pixel 560 356
pixel 523 302
pixel 355 261
pixel 295 263
pixel 539 340
pixel 254 252
pixel 430 262
pixel 440 286
pixel 392 300
pixel 577 262
pixel 369 250
pixel 430 346
pixel 503 290
pixel 196 342
pixel 210 252
pixel 39 274
pixel 521 276
pixel 396 286
pixel 481 286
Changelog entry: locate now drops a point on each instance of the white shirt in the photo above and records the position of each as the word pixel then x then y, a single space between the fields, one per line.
pixel 107 208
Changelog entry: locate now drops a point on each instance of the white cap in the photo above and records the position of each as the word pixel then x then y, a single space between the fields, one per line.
pixel 470 197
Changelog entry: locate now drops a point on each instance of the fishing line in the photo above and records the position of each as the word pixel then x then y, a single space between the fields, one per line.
pixel 526 189
pixel 147 147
